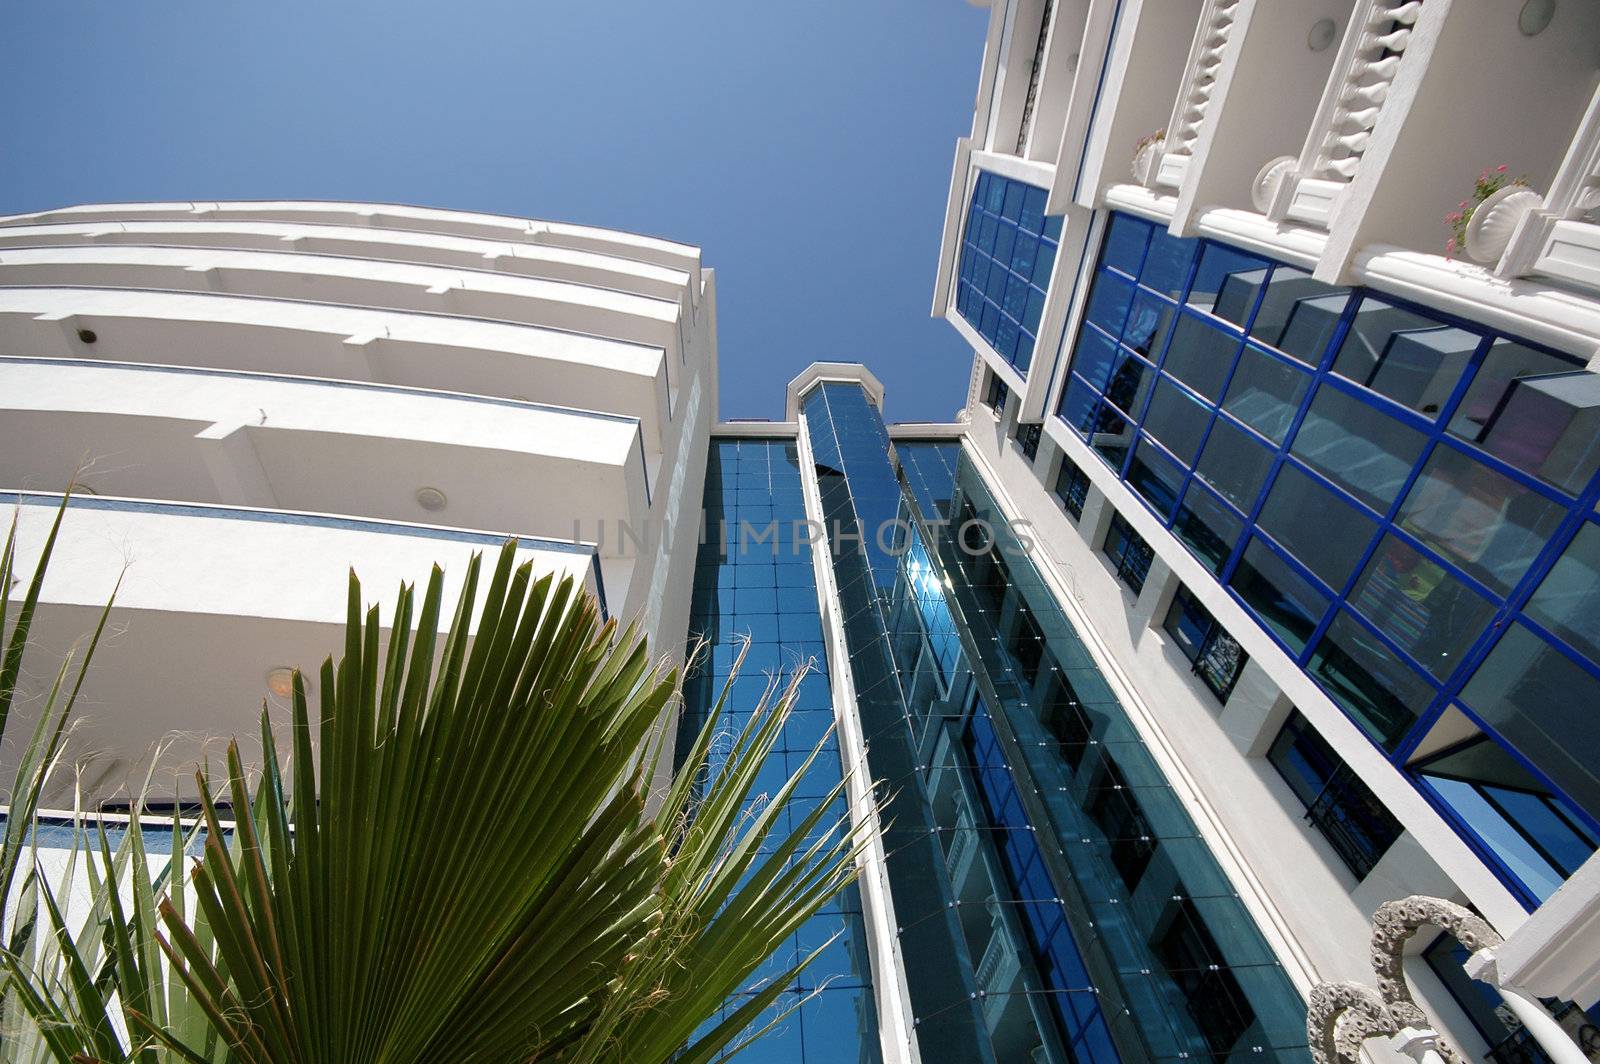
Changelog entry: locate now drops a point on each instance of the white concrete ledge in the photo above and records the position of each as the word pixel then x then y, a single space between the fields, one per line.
pixel 254 439
pixel 393 216
pixel 490 257
pixel 211 600
pixel 349 343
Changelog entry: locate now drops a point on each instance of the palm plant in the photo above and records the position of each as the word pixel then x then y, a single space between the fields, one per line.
pixel 468 865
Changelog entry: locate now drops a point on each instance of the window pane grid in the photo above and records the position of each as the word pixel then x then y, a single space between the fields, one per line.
pixel 1007 255
pixel 1455 442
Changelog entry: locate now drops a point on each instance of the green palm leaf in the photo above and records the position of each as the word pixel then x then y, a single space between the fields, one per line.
pixel 483 875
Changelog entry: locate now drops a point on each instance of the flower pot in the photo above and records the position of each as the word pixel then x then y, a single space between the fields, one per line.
pixel 1495 219
pixel 1145 163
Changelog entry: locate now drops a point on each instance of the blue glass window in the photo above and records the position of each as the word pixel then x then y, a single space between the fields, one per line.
pixel 1216 656
pixel 1201 355
pixel 1568 600
pixel 1326 534
pixel 1298 315
pixel 1365 451
pixel 1228 283
pixel 1149 321
pixel 1412 359
pixel 1266 393
pixel 1155 476
pixel 1207 526
pixel 1007 252
pixel 1480 520
pixel 1536 410
pixel 1542 703
pixel 1528 826
pixel 1177 419
pixel 1235 463
pixel 1282 599
pixel 1382 693
pixel 1420 605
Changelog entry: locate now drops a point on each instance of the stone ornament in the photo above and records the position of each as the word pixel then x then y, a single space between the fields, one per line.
pixel 1340 1016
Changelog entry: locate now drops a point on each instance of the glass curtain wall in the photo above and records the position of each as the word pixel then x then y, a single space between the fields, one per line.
pixel 754 583
pixel 1389 491
pixel 1053 901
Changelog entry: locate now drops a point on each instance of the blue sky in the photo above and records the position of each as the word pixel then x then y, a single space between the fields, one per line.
pixel 805 145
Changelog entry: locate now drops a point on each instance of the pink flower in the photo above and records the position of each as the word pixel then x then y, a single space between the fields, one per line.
pixel 1462 205
pixel 1500 169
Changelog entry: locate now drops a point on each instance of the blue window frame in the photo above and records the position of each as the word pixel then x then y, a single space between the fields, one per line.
pixel 1128 552
pixel 1519 817
pixel 1390 491
pixel 1215 656
pixel 1343 809
pixel 1007 252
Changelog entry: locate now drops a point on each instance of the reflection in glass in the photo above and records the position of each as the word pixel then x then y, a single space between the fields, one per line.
pixel 1265 393
pixel 1326 534
pixel 1148 322
pixel 1383 694
pixel 1537 410
pixel 1177 419
pixel 1409 358
pixel 1338 804
pixel 1283 600
pixel 1235 463
pixel 1352 443
pixel 1419 605
pixel 1227 283
pixel 1480 520
pixel 1298 315
pixel 1206 524
pixel 1155 476
pixel 1517 816
pixel 1543 704
pixel 1568 600
pixel 1200 355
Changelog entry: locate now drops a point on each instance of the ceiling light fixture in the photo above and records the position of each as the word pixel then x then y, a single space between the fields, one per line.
pixel 1322 34
pixel 431 499
pixel 1535 16
pixel 87 336
pixel 280 681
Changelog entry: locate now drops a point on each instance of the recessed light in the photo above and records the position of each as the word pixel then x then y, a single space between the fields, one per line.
pixel 87 336
pixel 1322 34
pixel 1535 17
pixel 280 681
pixel 431 499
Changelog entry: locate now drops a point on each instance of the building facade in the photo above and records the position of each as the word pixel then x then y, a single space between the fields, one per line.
pixel 1254 587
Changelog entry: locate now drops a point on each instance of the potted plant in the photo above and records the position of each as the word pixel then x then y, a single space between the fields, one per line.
pixel 1146 155
pixel 1482 224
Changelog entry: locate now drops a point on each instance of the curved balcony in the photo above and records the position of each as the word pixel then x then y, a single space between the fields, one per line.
pixel 212 600
pixel 255 334
pixel 392 216
pixel 253 439
pixel 360 253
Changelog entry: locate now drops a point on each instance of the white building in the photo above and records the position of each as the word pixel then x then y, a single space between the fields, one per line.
pixel 1286 610
pixel 254 397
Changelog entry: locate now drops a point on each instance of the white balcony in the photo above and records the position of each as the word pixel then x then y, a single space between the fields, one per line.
pixel 212 600
pixel 257 440
pixel 487 261
pixel 397 217
pixel 458 354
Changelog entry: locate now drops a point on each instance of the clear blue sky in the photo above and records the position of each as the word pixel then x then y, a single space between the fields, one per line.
pixel 804 144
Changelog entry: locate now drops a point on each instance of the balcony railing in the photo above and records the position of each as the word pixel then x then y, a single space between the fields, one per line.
pixel 1199 81
pixel 1354 822
pixel 1379 33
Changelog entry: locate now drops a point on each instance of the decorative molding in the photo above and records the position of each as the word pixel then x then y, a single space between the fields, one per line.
pixel 1340 1016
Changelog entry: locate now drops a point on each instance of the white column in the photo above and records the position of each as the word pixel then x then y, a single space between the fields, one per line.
pixel 1550 1035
